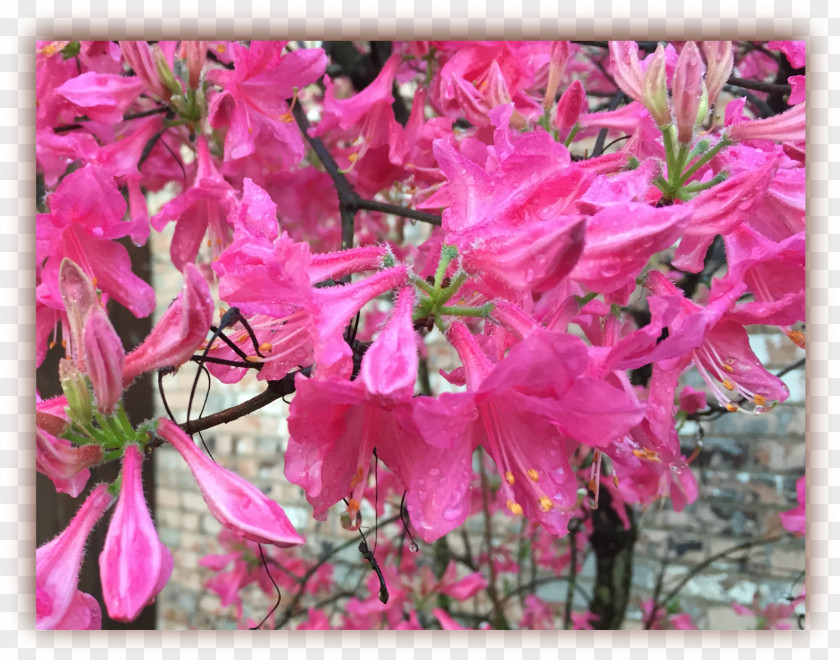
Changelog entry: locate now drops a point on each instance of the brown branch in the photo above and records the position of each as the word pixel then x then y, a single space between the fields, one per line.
pixel 276 389
pixel 746 545
pixel 758 86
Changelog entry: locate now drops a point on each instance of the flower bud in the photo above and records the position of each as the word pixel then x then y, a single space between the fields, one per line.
pixel 164 72
pixel 104 359
pixel 570 106
pixel 75 388
pixel 688 91
pixel 79 296
pixel 556 68
pixel 718 66
pixel 656 89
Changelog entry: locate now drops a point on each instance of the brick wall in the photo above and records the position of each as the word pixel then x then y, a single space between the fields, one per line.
pixel 746 472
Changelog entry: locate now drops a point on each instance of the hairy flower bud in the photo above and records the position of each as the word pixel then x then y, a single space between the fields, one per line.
pixel 688 91
pixel 718 66
pixel 104 359
pixel 656 89
pixel 75 388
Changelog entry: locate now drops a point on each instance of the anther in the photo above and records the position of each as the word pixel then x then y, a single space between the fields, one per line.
pixel 357 478
pixel 352 505
pixel 546 504
pixel 728 384
pixel 759 400
pixel 615 480
pixel 797 337
pixel 731 407
pixel 266 347
pixel 535 476
pixel 727 368
pixel 253 358
pixel 515 509
pixel 509 477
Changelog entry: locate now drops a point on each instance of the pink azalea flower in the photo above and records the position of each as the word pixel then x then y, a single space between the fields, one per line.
pixel 446 621
pixel 86 214
pixel 691 400
pixel 619 242
pixel 237 504
pixel 296 322
pixel 59 604
pixel 335 424
pixel 315 620
pixel 65 464
pixel 101 96
pixel 794 520
pixel 786 127
pixel 254 94
pixel 718 346
pixel 665 621
pixel 536 615
pixel 795 51
pixel 139 56
pixel 773 616
pixel 535 392
pixel 134 564
pixel 624 60
pixel 204 207
pixel 178 333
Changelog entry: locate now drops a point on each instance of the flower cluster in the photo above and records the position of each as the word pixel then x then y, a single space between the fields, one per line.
pixel 575 281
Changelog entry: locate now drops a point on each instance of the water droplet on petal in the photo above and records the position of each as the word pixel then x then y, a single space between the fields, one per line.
pixel 433 472
pixel 413 547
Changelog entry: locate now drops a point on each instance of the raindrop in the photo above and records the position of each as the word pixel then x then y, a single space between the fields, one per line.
pixel 413 547
pixel 451 514
pixel 433 472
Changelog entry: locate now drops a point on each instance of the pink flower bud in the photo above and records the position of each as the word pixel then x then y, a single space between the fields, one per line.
pixel 719 63
pixel 688 90
pixel 656 89
pixel 389 368
pixel 237 504
pixel 104 359
pixel 570 106
pixel 556 68
pixel 59 605
pixel 624 57
pixel 79 296
pixel 134 564
pixel 139 56
pixel 194 53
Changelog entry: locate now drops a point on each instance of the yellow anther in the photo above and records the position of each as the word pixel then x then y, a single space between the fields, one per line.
pixel 95 282
pixel 515 509
pixel 241 339
pixel 731 407
pixel 253 358
pixel 222 311
pixel 287 118
pixel 221 48
pixel 63 344
pixel 727 368
pixel 728 384
pixel 357 478
pixel 535 476
pixel 49 50
pixel 353 157
pixel 591 485
pixel 647 454
pixel 218 241
pixel 546 504
pixel 759 400
pixel 615 481
pixel 266 347
pixel 209 243
pixel 352 505
pixel 509 477
pixel 52 344
pixel 797 337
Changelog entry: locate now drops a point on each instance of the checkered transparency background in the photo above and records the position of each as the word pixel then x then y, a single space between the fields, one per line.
pixel 598 19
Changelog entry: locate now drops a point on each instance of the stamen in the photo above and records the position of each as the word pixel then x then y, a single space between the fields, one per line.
pixel 728 384
pixel 265 347
pixel 615 480
pixel 797 337
pixel 357 478
pixel 509 477
pixel 731 407
pixel 515 509
pixel 535 476
pixel 727 368
pixel 352 505
pixel 546 504
pixel 253 358
pixel 760 400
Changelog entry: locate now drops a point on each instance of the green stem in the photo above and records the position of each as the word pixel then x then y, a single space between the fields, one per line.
pixel 723 142
pixel 482 311
pixel 452 289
